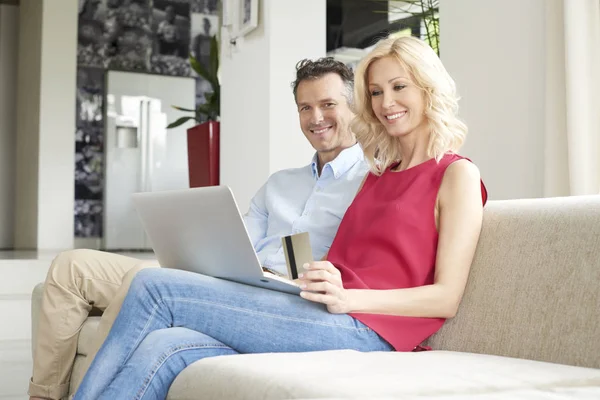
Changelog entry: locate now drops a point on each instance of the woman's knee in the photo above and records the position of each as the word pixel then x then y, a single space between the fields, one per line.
pixel 144 279
pixel 170 340
pixel 133 272
pixel 174 335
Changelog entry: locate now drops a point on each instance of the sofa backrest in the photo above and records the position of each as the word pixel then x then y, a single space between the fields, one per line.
pixel 534 287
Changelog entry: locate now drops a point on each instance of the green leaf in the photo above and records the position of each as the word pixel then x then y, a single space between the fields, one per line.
pixel 209 110
pixel 206 108
pixel 216 103
pixel 200 70
pixel 212 108
pixel 183 109
pixel 214 57
pixel 180 121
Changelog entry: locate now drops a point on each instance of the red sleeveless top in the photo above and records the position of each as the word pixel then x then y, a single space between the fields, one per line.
pixel 388 240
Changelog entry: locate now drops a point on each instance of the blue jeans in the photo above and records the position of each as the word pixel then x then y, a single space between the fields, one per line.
pixel 172 318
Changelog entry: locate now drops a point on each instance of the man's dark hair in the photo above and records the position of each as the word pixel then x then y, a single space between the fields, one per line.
pixel 309 69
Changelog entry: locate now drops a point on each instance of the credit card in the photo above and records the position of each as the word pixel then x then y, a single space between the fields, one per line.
pixel 297 253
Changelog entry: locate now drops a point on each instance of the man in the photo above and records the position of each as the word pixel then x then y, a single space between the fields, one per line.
pixel 310 199
pixel 168 37
pixel 202 43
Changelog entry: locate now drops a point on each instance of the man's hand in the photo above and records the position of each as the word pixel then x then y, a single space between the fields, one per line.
pixel 322 283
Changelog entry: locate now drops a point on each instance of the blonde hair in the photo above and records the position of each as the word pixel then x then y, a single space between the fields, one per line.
pixel 430 76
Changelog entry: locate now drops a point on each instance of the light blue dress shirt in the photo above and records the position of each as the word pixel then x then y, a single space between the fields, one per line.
pixel 299 200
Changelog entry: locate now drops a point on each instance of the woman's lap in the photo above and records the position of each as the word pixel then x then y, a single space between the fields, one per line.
pixel 243 318
pixel 250 319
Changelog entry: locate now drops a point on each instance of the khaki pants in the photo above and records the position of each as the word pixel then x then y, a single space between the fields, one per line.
pixel 77 281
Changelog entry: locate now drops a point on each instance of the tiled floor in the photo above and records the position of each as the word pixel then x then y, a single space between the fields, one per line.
pixel 15 369
pixel 20 271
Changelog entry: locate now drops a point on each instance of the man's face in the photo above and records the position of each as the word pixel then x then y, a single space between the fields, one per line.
pixel 324 113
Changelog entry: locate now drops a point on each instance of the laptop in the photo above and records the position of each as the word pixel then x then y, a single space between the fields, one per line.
pixel 201 230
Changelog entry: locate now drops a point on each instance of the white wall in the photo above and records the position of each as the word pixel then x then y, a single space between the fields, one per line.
pixel 495 52
pixel 556 146
pixel 46 124
pixel 56 192
pixel 9 30
pixel 260 131
pixel 28 109
pixel 299 31
pixel 245 113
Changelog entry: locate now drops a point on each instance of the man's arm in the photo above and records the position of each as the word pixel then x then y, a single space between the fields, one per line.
pixel 257 216
pixel 357 192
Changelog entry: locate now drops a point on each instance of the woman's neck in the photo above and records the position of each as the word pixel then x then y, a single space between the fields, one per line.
pixel 413 150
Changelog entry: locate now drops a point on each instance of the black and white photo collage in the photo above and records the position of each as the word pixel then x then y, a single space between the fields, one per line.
pixel 89 145
pixel 145 36
pixel 153 36
pixel 205 23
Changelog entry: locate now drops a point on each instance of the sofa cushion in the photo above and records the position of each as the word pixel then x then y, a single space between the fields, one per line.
pixel 346 373
pixel 78 373
pixel 87 333
pixel 533 288
pixel 36 301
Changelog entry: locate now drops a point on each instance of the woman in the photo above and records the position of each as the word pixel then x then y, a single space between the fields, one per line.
pixel 395 271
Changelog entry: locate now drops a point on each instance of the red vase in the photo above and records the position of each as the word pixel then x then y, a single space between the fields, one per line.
pixel 203 154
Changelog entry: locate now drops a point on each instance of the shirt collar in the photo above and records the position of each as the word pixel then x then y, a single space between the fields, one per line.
pixel 342 163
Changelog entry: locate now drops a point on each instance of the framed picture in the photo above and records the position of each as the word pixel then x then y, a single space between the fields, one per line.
pixel 171 27
pixel 247 17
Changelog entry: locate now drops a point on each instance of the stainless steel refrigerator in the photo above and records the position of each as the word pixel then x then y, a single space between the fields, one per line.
pixel 141 155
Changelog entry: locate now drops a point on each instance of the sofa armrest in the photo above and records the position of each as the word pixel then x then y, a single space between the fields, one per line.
pixel 36 304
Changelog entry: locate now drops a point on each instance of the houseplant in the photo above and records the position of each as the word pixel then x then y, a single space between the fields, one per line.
pixel 425 10
pixel 203 138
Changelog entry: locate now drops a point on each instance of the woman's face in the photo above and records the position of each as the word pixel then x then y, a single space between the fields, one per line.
pixel 396 101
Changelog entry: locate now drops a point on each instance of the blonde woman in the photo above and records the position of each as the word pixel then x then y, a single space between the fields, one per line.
pixel 395 271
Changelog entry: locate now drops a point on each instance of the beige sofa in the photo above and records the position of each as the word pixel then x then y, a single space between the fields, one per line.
pixel 533 294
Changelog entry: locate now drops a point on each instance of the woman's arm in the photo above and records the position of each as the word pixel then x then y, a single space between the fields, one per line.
pixel 460 217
